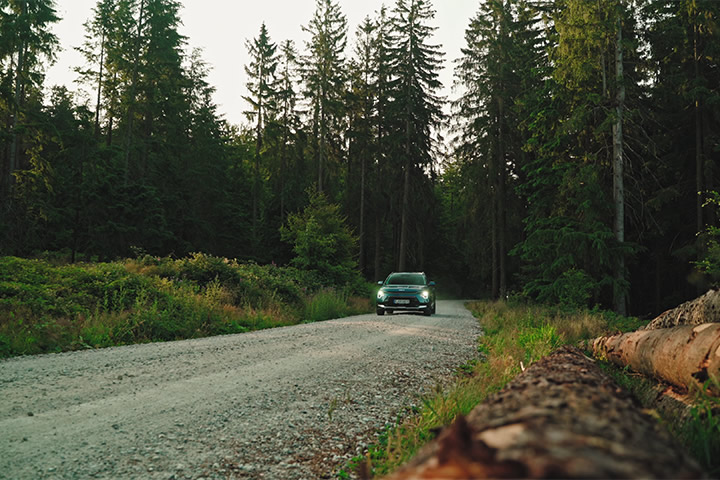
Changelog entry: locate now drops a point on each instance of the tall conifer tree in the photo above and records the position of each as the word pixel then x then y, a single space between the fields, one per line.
pixel 263 101
pixel 324 75
pixel 415 64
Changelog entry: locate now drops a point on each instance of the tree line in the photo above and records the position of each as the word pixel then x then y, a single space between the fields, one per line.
pixel 574 167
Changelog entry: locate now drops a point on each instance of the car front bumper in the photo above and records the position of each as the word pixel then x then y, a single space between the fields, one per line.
pixel 404 303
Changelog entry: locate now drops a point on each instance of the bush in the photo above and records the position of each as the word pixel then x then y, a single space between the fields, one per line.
pixel 323 242
pixel 47 308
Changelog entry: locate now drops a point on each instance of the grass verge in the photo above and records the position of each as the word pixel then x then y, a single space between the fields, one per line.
pixel 514 336
pixel 48 308
pixel 698 429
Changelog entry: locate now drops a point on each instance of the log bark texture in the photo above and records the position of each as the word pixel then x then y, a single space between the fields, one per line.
pixel 685 356
pixel 705 309
pixel 561 418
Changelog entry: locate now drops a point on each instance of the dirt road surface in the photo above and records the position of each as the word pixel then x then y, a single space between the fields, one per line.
pixel 288 403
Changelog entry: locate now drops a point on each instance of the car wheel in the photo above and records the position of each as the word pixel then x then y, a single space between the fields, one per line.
pixel 427 312
pixel 434 307
pixel 380 311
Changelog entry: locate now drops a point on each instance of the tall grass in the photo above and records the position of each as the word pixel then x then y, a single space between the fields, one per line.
pixel 697 430
pixel 514 337
pixel 46 307
pixel 328 304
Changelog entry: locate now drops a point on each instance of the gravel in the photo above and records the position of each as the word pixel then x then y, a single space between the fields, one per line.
pixel 289 403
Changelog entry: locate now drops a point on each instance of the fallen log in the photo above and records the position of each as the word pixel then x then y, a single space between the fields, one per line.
pixel 561 418
pixel 686 356
pixel 704 309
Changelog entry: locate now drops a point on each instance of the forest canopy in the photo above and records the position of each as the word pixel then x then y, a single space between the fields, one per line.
pixel 577 163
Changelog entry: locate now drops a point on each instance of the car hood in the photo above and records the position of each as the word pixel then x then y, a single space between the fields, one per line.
pixel 403 288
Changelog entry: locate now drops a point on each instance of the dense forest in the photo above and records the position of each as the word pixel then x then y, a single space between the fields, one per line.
pixel 576 165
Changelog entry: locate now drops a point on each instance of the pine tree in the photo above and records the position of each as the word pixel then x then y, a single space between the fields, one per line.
pixel 26 40
pixel 287 119
pixel 323 70
pixel 263 101
pixel 683 60
pixel 417 109
pixel 362 111
pixel 383 125
pixel 98 31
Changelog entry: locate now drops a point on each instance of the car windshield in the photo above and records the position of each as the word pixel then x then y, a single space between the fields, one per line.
pixel 406 279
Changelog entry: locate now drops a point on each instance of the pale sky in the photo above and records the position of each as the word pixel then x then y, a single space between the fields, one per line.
pixel 220 28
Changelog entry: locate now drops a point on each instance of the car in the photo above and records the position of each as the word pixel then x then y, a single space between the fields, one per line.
pixel 406 291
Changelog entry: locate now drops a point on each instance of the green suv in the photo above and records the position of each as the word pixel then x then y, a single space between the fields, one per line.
pixel 406 291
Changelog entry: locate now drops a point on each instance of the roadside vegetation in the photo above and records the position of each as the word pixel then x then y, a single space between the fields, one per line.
pixel 52 308
pixel 515 336
pixel 698 430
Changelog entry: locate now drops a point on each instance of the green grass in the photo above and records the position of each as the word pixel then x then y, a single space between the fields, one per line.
pixel 45 307
pixel 699 433
pixel 329 304
pixel 514 337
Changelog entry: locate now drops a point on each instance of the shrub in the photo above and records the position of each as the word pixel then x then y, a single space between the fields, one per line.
pixel 48 308
pixel 322 241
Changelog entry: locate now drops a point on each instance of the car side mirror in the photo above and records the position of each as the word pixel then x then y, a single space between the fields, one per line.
pixel 432 284
pixel 380 283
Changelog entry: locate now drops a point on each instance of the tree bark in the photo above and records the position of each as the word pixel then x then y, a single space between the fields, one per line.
pixel 561 418
pixel 618 173
pixel 98 102
pixel 17 101
pixel 133 88
pixel 684 356
pixel 501 215
pixel 406 196
pixel 361 239
pixel 705 309
pixel 698 137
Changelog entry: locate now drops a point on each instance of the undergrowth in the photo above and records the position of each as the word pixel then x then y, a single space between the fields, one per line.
pixel 699 432
pixel 47 307
pixel 514 337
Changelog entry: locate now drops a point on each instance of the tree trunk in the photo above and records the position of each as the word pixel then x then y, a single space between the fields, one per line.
pixel 406 196
pixel 618 174
pixel 362 216
pixel 561 418
pixel 256 174
pixel 501 215
pixel 686 356
pixel 698 139
pixel 321 157
pixel 495 292
pixel 17 102
pixel 99 88
pixel 111 114
pixel 133 87
pixel 378 247
pixel 283 168
pixel 705 309
pixel 404 218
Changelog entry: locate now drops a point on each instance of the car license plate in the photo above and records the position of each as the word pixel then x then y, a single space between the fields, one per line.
pixel 402 302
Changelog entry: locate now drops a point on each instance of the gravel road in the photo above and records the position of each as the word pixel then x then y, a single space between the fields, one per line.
pixel 287 403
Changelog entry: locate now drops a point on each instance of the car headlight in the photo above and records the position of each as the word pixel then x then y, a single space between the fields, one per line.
pixel 380 294
pixel 425 294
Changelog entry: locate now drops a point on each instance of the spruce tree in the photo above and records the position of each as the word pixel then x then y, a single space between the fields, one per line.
pixel 26 41
pixel 263 102
pixel 324 75
pixel 417 109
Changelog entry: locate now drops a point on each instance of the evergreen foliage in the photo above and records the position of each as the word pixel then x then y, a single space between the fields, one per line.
pixel 322 241
pixel 523 199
